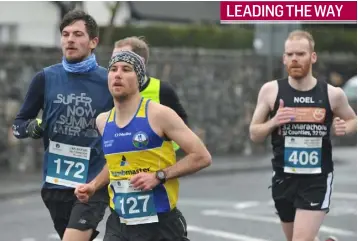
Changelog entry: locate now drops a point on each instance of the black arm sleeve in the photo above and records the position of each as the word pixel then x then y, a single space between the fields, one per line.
pixel 168 97
pixel 33 103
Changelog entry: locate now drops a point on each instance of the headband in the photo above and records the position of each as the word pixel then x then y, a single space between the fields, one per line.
pixel 133 59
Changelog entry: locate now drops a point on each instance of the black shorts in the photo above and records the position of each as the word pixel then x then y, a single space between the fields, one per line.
pixel 308 192
pixel 67 212
pixel 171 227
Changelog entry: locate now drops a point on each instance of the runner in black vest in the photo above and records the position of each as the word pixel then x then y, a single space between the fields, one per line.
pixel 302 111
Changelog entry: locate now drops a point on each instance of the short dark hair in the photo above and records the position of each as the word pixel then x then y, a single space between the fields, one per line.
pixel 77 15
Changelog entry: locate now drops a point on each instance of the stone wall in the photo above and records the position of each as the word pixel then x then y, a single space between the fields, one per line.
pixel 217 88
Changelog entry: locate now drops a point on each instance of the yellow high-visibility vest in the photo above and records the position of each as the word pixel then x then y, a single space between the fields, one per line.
pixel 153 92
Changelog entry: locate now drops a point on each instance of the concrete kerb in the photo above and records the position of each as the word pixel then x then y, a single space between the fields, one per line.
pixel 18 191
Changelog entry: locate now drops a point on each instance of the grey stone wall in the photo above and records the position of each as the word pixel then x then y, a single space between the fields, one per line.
pixel 217 88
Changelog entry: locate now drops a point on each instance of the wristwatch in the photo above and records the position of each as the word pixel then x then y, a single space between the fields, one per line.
pixel 161 176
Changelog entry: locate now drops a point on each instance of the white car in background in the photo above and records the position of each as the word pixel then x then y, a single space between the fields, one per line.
pixel 350 88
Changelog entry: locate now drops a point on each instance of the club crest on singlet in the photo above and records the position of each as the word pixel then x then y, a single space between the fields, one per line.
pixel 140 140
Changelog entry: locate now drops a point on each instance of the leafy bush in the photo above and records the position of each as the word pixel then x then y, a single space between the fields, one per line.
pixel 327 38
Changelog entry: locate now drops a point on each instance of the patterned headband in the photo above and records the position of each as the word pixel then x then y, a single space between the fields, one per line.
pixel 132 59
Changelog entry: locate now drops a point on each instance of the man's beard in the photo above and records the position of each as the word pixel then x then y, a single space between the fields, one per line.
pixel 124 96
pixel 76 60
pixel 297 71
pixel 121 98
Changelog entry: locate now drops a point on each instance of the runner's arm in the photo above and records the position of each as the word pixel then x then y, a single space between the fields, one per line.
pixel 343 110
pixel 260 126
pixel 197 156
pixel 101 121
pixel 169 97
pixel 102 178
pixel 33 103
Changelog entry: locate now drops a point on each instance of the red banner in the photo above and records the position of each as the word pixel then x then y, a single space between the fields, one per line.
pixel 289 11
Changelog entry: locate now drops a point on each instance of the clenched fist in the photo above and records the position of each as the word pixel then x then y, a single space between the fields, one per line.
pixel 84 192
pixel 339 127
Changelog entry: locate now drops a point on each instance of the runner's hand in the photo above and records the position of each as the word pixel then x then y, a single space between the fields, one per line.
pixel 34 129
pixel 339 126
pixel 144 181
pixel 84 191
pixel 284 115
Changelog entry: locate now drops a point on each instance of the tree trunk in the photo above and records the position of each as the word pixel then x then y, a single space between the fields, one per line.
pixel 107 39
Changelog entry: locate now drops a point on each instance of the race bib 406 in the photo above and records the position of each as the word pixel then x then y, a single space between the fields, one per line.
pixel 303 155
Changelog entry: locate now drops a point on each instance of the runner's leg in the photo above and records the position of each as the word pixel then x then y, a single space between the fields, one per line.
pixel 85 217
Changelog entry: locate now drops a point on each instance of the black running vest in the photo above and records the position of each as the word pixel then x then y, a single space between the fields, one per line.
pixel 303 146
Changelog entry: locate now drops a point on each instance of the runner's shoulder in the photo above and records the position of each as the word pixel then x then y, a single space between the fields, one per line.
pixel 269 87
pixel 333 90
pixel 101 120
pixel 159 113
pixel 336 95
pixel 158 108
pixel 103 116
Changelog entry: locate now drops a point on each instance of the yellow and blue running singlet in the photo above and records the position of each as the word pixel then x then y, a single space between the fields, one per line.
pixel 133 149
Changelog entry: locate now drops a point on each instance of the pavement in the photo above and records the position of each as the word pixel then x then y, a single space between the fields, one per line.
pixel 227 206
pixel 26 183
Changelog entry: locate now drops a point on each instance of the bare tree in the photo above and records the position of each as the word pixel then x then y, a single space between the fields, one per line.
pixel 66 6
pixel 113 9
pixel 78 5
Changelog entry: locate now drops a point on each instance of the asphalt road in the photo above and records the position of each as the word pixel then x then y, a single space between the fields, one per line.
pixel 222 207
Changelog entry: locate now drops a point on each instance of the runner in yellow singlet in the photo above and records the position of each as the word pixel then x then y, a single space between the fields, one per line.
pixel 141 168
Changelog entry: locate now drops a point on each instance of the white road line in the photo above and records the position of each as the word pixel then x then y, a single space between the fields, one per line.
pixel 344 195
pixel 53 236
pixel 28 239
pixel 236 215
pixel 346 180
pixel 222 234
pixel 248 204
pixel 337 231
pixel 205 202
pixel 217 203
pixel 197 202
pixel 190 228
pixel 342 211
